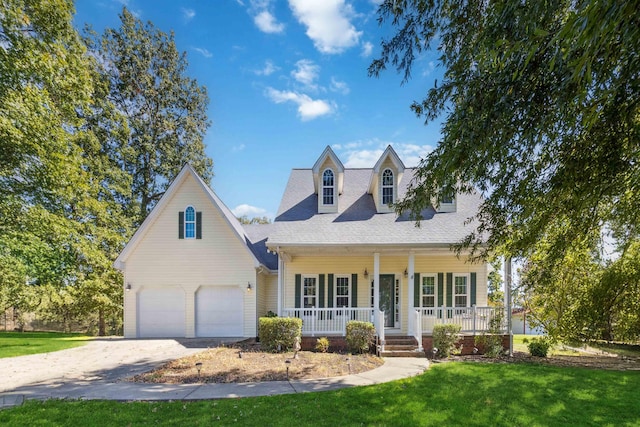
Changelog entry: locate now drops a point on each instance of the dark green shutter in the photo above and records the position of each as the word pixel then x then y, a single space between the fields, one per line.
pixel 298 290
pixel 354 290
pixel 416 290
pixel 440 289
pixel 180 225
pixel 198 225
pixel 321 291
pixel 330 286
pixel 473 289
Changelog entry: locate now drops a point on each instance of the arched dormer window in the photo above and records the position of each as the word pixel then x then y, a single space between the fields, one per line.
pixel 328 187
pixel 190 223
pixel 387 187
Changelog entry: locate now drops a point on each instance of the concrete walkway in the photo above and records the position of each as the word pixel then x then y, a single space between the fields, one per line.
pixel 110 387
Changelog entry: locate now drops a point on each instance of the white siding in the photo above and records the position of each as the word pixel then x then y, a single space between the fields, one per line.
pixel 160 259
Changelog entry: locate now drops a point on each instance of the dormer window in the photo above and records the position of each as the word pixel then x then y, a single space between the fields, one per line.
pixel 328 187
pixel 387 187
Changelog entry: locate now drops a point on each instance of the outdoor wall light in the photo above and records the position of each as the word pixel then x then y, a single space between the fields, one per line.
pixel 366 273
pixel 406 273
pixel 249 286
pixel 128 288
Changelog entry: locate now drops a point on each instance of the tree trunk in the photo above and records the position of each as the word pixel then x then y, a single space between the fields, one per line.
pixel 101 325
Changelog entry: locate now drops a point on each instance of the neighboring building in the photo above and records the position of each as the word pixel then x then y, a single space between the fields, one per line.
pixel 335 250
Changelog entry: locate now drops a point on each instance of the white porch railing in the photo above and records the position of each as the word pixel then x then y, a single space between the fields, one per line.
pixel 471 319
pixel 333 321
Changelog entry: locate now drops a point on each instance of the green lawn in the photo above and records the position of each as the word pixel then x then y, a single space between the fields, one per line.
pixel 470 394
pixel 22 343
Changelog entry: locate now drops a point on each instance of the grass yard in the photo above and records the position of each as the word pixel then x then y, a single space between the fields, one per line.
pixel 22 343
pixel 455 393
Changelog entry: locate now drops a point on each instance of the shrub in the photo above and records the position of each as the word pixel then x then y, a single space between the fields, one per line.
pixel 445 338
pixel 270 314
pixel 322 344
pixel 279 333
pixel 360 336
pixel 539 347
pixel 491 341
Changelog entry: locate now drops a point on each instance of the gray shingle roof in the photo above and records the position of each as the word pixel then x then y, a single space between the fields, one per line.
pixel 256 240
pixel 356 222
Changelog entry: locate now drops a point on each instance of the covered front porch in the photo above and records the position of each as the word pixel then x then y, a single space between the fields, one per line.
pixel 333 321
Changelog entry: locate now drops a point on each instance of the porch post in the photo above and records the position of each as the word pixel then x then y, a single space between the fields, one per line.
pixel 280 283
pixel 376 290
pixel 507 297
pixel 410 268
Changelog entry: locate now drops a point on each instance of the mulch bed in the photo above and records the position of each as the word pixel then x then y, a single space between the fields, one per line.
pixel 246 364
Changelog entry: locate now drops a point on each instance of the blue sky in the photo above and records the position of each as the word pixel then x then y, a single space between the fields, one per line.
pixel 285 79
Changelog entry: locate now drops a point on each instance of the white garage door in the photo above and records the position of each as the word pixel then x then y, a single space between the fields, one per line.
pixel 161 313
pixel 219 312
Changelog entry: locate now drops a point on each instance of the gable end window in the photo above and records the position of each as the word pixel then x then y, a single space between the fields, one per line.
pixel 190 224
pixel 387 187
pixel 328 180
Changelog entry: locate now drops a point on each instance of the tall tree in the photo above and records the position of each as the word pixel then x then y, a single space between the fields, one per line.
pixel 541 108
pixel 165 109
pixel 60 223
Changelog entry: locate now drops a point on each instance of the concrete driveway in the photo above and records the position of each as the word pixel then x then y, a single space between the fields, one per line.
pixel 106 359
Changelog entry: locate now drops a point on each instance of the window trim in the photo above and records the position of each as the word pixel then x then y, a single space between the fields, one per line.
pixel 435 290
pixel 384 186
pixel 467 286
pixel 331 187
pixel 186 222
pixel 303 288
pixel 337 277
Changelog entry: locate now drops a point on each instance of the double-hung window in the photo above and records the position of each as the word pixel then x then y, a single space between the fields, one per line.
pixel 460 290
pixel 428 290
pixel 342 292
pixel 309 293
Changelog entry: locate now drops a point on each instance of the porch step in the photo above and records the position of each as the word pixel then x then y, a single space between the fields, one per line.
pixel 401 346
pixel 402 353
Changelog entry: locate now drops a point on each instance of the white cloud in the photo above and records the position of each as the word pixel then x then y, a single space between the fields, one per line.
pixel 431 65
pixel 308 108
pixel 338 86
pixel 203 52
pixel 188 14
pixel 269 68
pixel 249 211
pixel 267 23
pixel 365 154
pixel 306 72
pixel 327 23
pixel 367 48
pixel 237 148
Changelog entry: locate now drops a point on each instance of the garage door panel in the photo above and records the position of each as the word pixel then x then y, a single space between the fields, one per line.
pixel 161 313
pixel 219 312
